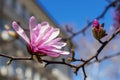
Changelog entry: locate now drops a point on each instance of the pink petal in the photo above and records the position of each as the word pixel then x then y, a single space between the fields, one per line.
pixel 48 32
pixel 60 51
pixel 35 33
pixel 32 25
pixel 54 50
pixel 36 29
pixel 57 52
pixel 54 44
pixel 50 53
pixel 54 34
pixel 53 54
pixel 59 45
pixel 54 41
pixel 20 31
pixel 44 26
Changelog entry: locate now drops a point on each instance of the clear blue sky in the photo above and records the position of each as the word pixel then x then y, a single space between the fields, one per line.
pixel 76 12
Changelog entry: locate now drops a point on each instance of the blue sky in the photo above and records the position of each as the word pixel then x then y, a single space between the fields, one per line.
pixel 76 12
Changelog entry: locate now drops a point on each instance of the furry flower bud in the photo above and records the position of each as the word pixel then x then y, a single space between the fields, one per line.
pixel 98 30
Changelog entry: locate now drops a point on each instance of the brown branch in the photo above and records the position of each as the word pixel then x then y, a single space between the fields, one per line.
pixel 15 58
pixel 98 51
pixel 102 59
pixel 58 62
pixel 85 75
pixel 75 67
pixel 100 41
pixel 105 58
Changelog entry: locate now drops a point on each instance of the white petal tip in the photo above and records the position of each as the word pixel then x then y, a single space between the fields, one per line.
pixel 32 17
pixel 65 53
pixel 14 23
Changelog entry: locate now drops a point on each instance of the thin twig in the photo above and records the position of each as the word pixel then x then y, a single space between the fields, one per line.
pixel 58 62
pixel 85 75
pixel 15 58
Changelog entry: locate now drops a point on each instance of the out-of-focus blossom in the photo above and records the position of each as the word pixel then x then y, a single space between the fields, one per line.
pixel 116 18
pixel 8 34
pixel 98 30
pixel 5 36
pixel 11 32
pixel 43 38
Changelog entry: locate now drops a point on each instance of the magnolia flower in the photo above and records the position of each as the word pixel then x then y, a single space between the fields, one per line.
pixel 116 23
pixel 117 16
pixel 43 38
pixel 98 30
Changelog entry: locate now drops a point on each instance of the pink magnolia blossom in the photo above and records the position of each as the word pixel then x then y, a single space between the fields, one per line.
pixel 117 20
pixel 116 24
pixel 43 38
pixel 117 16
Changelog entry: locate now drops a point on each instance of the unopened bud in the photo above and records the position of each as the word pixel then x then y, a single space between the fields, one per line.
pixel 98 31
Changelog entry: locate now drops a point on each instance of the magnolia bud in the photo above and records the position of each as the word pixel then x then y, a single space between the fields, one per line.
pixel 98 30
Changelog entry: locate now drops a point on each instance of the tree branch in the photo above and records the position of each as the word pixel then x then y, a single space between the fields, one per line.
pixel 75 67
pixel 15 58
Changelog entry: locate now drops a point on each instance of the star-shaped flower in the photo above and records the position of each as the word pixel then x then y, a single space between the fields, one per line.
pixel 43 38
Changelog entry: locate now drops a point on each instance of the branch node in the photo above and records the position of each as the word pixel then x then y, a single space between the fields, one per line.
pixel 46 65
pixel 97 59
pixel 37 58
pixel 9 61
pixel 76 70
pixel 101 42
pixel 82 60
pixel 70 59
